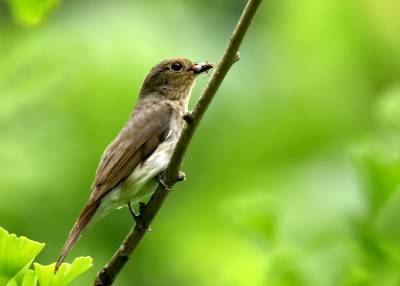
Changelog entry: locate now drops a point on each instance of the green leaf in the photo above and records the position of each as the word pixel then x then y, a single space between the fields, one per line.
pixel 25 278
pixel 31 12
pixel 65 274
pixel 16 253
pixel 30 278
pixel 12 282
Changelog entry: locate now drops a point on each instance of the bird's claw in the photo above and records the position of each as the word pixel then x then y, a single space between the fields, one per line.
pixel 161 181
pixel 135 216
pixel 237 57
pixel 188 117
pixel 142 207
pixel 138 217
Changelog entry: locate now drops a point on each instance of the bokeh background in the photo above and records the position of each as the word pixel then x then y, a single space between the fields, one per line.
pixel 293 175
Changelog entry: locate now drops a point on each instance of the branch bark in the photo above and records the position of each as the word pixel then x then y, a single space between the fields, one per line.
pixel 110 271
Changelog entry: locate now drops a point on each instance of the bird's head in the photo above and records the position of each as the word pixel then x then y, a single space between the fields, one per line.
pixel 173 78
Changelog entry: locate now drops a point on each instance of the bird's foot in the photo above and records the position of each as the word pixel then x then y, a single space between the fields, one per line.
pixel 138 217
pixel 161 181
pixel 237 57
pixel 188 117
pixel 142 207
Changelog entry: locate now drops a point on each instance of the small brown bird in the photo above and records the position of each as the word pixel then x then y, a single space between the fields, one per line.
pixel 131 164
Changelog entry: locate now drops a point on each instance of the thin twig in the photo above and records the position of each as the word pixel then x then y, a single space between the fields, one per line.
pixel 110 271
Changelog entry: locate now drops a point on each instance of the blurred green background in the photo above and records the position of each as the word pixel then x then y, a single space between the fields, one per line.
pixel 293 175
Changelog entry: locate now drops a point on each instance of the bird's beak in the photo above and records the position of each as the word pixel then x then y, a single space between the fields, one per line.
pixel 201 67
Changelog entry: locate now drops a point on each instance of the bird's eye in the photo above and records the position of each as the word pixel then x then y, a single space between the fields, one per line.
pixel 176 66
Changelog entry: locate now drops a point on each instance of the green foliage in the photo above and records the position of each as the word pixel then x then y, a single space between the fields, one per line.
pixel 25 277
pixel 31 12
pixel 16 256
pixel 65 274
pixel 16 253
pixel 293 177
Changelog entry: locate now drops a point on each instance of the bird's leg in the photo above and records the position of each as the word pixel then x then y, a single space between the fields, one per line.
pixel 181 177
pixel 135 216
pixel 161 181
pixel 142 207
pixel 188 117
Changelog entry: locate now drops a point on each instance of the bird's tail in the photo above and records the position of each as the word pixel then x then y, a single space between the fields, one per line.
pixel 84 218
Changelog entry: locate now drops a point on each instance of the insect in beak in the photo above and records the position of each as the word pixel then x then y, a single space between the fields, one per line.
pixel 201 67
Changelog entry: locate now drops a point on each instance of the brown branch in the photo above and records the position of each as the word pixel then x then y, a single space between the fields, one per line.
pixel 110 271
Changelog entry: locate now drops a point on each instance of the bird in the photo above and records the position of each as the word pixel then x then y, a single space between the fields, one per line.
pixel 131 165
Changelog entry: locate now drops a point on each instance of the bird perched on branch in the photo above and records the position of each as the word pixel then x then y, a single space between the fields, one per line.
pixel 132 163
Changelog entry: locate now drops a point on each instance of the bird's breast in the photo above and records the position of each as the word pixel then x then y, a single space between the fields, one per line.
pixel 157 161
pixel 139 184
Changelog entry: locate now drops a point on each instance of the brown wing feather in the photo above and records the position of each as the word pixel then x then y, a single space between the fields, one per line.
pixel 135 143
pixel 82 221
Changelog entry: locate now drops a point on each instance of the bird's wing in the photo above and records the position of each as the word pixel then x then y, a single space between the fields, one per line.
pixel 147 128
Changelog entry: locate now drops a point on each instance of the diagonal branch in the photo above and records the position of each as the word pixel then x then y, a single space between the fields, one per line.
pixel 110 271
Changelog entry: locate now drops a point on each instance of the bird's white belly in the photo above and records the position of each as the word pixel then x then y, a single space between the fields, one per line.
pixel 154 165
pixel 141 183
